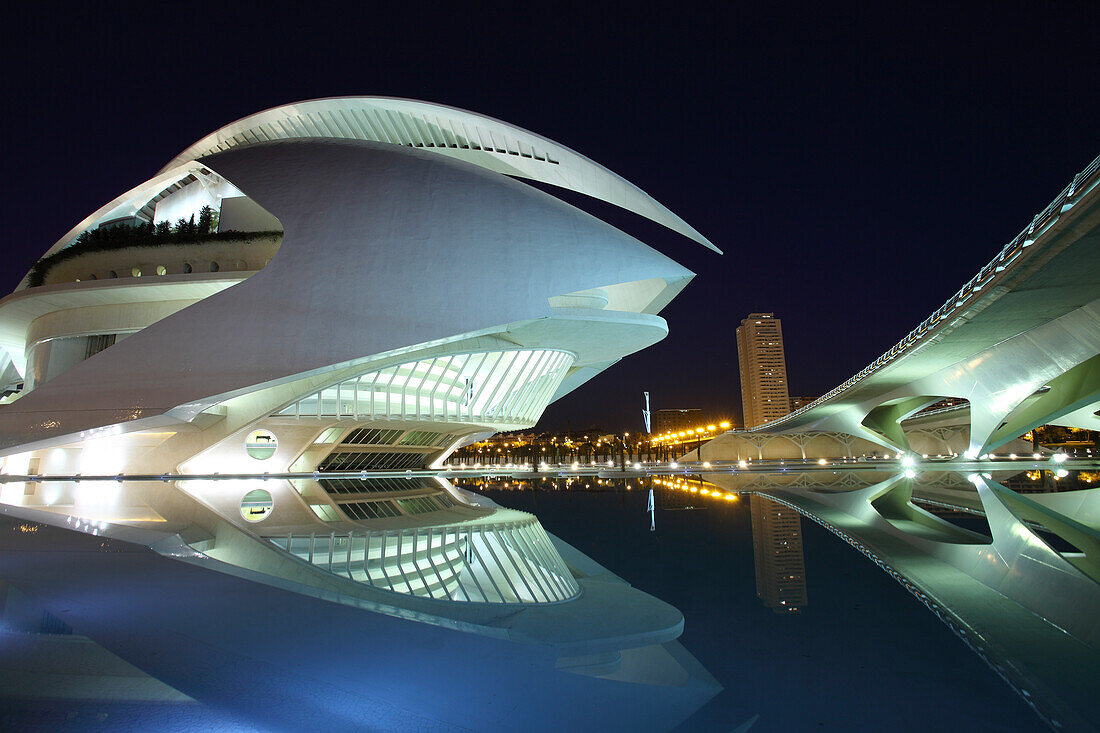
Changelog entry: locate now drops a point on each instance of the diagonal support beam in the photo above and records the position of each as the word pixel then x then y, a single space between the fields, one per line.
pixel 1076 388
pixel 1079 535
pixel 885 420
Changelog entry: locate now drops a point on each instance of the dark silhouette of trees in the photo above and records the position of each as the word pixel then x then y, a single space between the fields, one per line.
pixel 145 234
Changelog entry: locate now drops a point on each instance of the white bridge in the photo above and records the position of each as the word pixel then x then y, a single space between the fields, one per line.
pixel 1020 343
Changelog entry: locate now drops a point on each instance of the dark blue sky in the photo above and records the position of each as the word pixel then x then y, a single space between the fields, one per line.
pixel 857 163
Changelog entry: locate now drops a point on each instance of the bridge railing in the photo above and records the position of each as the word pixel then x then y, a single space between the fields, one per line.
pixel 995 269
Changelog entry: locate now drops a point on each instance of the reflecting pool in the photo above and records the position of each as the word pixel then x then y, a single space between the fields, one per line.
pixel 843 620
pixel 809 615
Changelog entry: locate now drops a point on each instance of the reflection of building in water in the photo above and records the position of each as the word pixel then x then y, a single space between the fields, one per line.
pixel 777 548
pixel 210 379
pixel 798 403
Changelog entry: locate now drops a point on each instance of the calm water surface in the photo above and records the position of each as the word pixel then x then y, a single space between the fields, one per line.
pixel 861 654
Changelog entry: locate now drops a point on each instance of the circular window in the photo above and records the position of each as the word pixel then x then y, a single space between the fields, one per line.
pixel 261 444
pixel 136 272
pixel 256 505
pixel 92 277
pixel 112 273
pixel 162 270
pixel 214 267
pixel 187 268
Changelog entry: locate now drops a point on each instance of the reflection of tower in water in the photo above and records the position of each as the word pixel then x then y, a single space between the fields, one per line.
pixel 777 548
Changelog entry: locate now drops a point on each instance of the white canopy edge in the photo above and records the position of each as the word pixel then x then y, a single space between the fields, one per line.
pixel 456 133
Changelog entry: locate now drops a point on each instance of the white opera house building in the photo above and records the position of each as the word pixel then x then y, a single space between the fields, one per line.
pixel 332 289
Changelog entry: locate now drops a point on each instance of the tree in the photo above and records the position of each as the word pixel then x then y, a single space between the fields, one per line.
pixel 187 227
pixel 206 219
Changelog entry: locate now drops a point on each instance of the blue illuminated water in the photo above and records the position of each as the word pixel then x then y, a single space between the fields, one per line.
pixel 863 654
pixel 860 655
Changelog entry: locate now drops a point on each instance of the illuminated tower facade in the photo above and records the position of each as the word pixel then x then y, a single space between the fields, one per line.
pixel 763 369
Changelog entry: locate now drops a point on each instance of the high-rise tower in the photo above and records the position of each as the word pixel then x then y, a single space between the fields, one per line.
pixel 763 369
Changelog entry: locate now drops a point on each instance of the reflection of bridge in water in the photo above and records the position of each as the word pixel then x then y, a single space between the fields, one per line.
pixel 1021 591
pixel 1024 596
pixel 1026 603
pixel 1019 345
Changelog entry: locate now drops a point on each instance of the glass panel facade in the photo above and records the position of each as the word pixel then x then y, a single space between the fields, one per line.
pixel 370 509
pixel 371 436
pixel 325 513
pixel 49 358
pixel 427 496
pixel 421 437
pixel 330 435
pixel 376 485
pixel 503 562
pixel 498 387
pixel 376 461
pixel 424 504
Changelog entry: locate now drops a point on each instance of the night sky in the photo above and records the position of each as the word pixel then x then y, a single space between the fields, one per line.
pixel 857 164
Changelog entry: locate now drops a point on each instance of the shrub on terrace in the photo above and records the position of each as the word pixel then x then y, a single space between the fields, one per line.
pixel 105 239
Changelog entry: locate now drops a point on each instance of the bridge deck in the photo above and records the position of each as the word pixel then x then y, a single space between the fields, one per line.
pixel 1040 276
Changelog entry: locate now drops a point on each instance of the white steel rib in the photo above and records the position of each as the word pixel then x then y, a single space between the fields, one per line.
pixel 456 133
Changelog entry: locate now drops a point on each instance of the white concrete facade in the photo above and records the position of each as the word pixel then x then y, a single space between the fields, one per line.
pixel 375 304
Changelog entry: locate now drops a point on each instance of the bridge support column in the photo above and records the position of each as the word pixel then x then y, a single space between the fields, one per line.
pixel 759 441
pixel 801 440
pixel 1000 379
pixel 1075 389
pixel 886 419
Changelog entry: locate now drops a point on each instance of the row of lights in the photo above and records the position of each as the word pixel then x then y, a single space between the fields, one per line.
pixel 520 442
pixel 674 436
pixel 681 485
pixel 666 437
pixel 907 460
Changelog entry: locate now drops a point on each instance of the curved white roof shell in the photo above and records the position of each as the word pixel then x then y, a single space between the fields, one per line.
pixel 384 247
pixel 456 133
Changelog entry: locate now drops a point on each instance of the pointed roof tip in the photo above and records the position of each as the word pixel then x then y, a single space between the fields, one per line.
pixel 693 234
pixel 708 244
pixel 475 138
